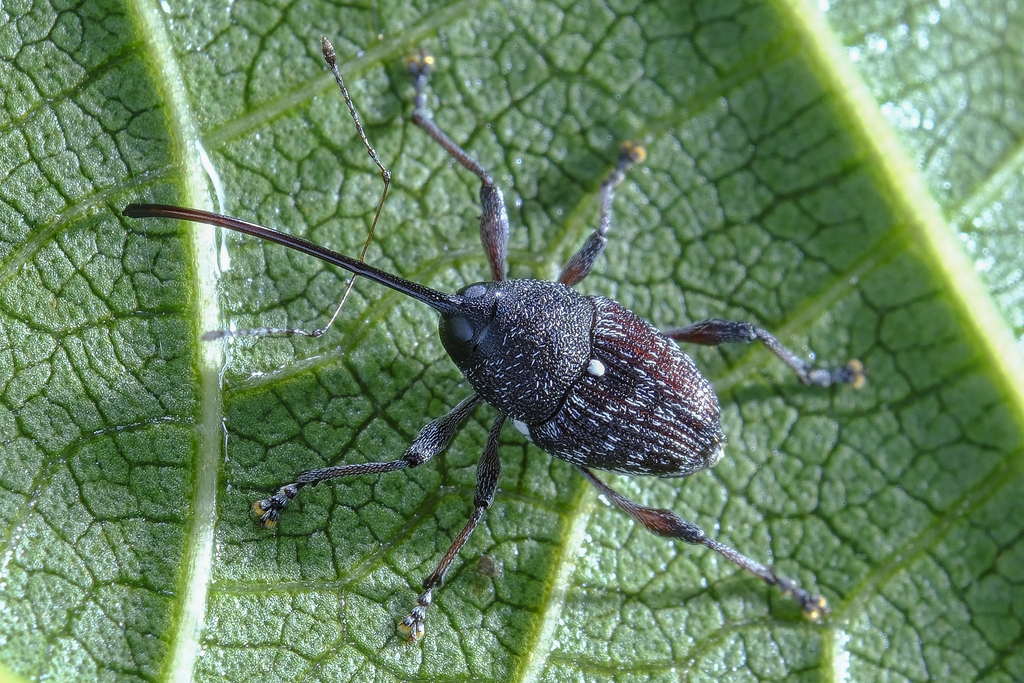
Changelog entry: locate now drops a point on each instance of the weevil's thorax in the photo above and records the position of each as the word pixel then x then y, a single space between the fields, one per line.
pixel 520 343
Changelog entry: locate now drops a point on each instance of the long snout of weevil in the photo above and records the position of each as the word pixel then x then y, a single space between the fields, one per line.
pixel 582 377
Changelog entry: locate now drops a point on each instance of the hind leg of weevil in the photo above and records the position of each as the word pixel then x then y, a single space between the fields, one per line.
pixel 578 267
pixel 487 471
pixel 431 440
pixel 494 219
pixel 670 525
pixel 714 332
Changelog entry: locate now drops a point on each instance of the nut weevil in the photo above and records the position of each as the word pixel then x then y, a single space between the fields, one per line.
pixel 582 377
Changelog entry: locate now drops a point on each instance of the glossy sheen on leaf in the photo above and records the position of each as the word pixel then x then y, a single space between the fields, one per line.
pixel 775 190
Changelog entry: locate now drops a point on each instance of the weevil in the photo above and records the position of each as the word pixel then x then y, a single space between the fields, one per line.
pixel 581 377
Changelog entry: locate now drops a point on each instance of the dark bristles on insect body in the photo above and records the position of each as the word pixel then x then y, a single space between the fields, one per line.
pixel 581 377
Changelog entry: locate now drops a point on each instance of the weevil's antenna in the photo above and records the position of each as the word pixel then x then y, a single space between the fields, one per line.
pixel 440 302
pixel 332 62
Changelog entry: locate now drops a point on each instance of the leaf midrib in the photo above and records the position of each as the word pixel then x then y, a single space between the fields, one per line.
pixel 197 557
pixel 927 227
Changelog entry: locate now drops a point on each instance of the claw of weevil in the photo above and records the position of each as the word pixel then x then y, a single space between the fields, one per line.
pixel 269 509
pixel 854 374
pixel 412 625
pixel 419 64
pixel 815 608
pixel 411 628
pixel 633 152
pixel 264 510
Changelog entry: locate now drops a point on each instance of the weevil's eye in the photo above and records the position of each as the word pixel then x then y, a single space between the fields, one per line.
pixel 457 335
pixel 463 334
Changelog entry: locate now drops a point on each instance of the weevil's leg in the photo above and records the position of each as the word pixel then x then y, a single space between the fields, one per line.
pixel 487 471
pixel 578 267
pixel 714 332
pixel 385 175
pixel 667 523
pixel 431 440
pixel 494 219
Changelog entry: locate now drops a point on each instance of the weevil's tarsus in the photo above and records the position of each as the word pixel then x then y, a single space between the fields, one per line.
pixel 269 510
pixel 494 227
pixel 578 267
pixel 419 67
pixel 431 440
pixel 670 525
pixel 488 470
pixel 814 606
pixel 853 373
pixel 715 331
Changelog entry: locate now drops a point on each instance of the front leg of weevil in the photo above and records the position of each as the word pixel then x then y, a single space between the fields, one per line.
pixel 487 471
pixel 714 332
pixel 578 267
pixel 431 440
pixel 667 523
pixel 494 219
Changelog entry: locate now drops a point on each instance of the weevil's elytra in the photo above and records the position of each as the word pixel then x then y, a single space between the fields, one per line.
pixel 582 377
pixel 649 412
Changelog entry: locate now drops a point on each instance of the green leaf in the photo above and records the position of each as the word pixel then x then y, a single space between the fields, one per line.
pixel 848 179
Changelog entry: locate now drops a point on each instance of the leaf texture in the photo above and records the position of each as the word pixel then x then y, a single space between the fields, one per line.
pixel 844 175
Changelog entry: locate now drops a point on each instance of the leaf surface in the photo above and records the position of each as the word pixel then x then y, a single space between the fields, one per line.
pixel 845 178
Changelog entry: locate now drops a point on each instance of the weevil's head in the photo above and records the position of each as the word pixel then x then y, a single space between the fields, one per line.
pixel 520 343
pixel 464 332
